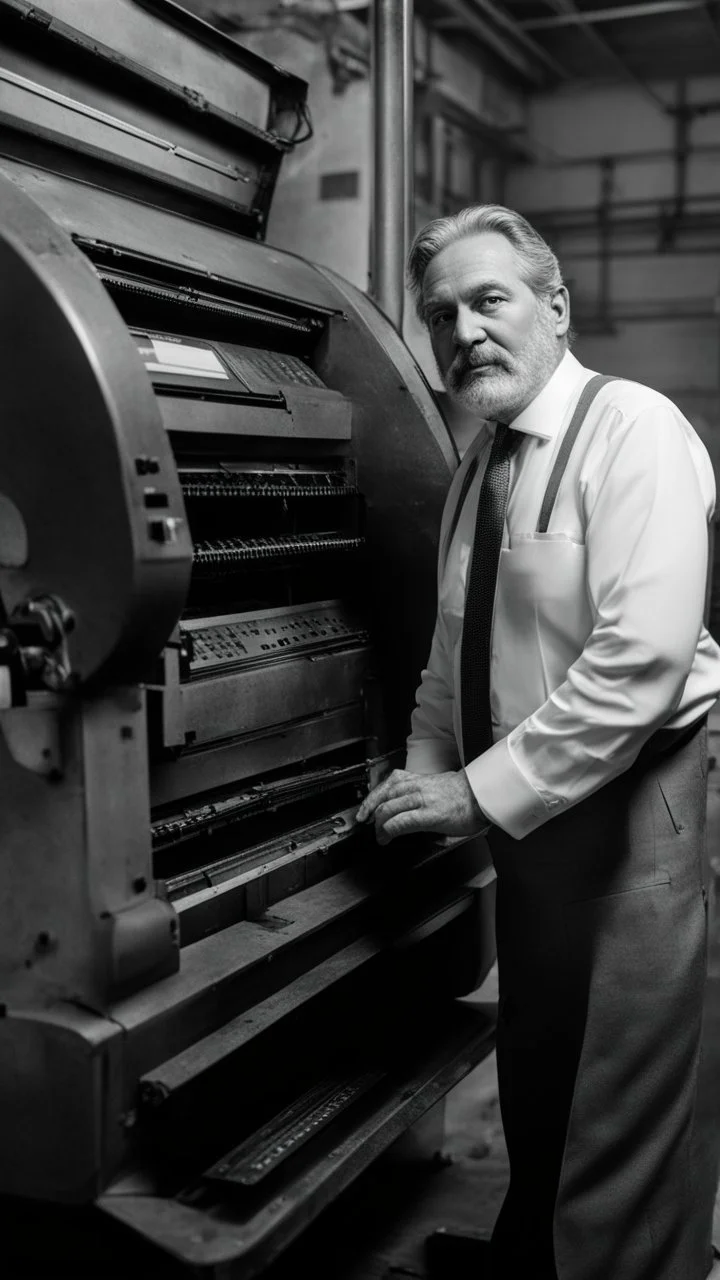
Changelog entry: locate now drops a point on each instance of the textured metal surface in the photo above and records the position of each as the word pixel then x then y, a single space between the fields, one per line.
pixel 228 1247
pixel 147 93
pixel 241 702
pixel 203 304
pixel 50 1150
pixel 227 762
pixel 233 808
pixel 266 484
pixel 273 366
pixel 187 890
pixel 151 44
pixel 404 457
pixel 164 235
pixel 73 398
pixel 308 415
pixel 241 965
pixel 251 884
pixel 242 474
pixel 167 1080
pixel 262 1154
pixel 81 920
pixel 42 111
pixel 226 554
pixel 273 634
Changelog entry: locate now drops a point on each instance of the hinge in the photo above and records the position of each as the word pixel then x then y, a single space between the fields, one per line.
pixel 39 17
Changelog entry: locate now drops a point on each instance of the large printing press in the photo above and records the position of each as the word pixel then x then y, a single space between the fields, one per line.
pixel 221 478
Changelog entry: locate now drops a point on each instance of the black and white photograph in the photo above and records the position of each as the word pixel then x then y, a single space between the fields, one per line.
pixel 359 639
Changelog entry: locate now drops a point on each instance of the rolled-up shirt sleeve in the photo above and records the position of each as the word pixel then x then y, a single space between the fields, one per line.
pixel 647 544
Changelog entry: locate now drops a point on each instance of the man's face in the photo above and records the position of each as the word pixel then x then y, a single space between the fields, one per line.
pixel 496 343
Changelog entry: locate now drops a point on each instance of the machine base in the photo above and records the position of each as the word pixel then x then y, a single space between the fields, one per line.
pixel 224 1234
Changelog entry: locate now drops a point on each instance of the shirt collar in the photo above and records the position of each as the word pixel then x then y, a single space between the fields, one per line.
pixel 545 414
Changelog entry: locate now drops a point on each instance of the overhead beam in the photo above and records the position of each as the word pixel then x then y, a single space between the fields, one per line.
pixel 506 143
pixel 515 29
pixel 649 10
pixel 567 7
pixel 711 14
pixel 510 50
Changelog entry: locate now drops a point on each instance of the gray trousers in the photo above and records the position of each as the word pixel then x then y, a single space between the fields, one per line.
pixel 601 937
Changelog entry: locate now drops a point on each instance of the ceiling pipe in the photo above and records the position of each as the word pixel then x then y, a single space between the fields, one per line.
pixel 392 78
pixel 517 30
pixel 463 16
pixel 567 7
pixel 649 10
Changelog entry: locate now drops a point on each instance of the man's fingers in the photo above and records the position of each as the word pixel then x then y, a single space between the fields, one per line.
pixel 369 804
pixel 401 825
pixel 399 804
pixel 376 797
pixel 398 783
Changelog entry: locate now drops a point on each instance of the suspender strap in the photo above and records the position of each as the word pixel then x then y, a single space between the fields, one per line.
pixel 587 396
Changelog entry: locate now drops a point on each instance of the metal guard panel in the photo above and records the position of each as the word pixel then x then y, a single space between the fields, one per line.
pixel 79 414
pixel 405 458
pixel 84 1050
pixel 251 701
pixel 307 414
pixel 163 45
pixel 98 214
pixel 214 1242
pixel 66 121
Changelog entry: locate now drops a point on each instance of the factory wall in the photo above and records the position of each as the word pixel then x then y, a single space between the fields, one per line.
pixel 631 206
pixel 644 309
pixel 321 208
pixel 640 312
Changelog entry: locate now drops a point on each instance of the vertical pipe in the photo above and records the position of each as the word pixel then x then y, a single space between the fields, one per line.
pixel 392 83
pixel 409 111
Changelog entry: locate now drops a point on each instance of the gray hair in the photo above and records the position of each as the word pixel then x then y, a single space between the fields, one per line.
pixel 539 266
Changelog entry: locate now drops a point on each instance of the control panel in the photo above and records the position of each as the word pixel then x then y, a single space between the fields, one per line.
pixel 247 638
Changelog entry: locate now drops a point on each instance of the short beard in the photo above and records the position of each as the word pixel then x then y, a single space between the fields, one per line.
pixel 513 381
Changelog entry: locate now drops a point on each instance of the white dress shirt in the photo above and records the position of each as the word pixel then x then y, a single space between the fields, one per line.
pixel 598 636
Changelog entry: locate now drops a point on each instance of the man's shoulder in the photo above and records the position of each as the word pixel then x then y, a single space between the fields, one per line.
pixel 626 401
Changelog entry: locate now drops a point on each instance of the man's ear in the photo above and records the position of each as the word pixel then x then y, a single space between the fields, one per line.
pixel 560 307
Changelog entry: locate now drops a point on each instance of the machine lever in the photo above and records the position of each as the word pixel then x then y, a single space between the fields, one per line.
pixel 34 651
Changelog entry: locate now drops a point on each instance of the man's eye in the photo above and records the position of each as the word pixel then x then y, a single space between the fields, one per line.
pixel 440 318
pixel 492 300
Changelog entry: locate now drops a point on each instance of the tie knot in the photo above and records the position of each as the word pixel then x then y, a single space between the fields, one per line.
pixel 506 439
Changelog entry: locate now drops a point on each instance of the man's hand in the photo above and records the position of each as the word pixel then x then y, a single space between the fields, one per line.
pixel 407 802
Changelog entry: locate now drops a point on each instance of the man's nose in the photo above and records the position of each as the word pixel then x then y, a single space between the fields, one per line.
pixel 469 328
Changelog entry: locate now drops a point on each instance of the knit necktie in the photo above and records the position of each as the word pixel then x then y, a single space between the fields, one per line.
pixel 475 654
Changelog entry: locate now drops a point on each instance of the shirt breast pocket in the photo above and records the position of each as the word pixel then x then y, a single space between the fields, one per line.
pixel 518 540
pixel 542 615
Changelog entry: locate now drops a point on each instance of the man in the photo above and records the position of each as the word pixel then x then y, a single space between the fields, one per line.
pixel 562 712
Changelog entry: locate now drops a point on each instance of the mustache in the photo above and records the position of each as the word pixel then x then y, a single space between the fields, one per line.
pixel 465 362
